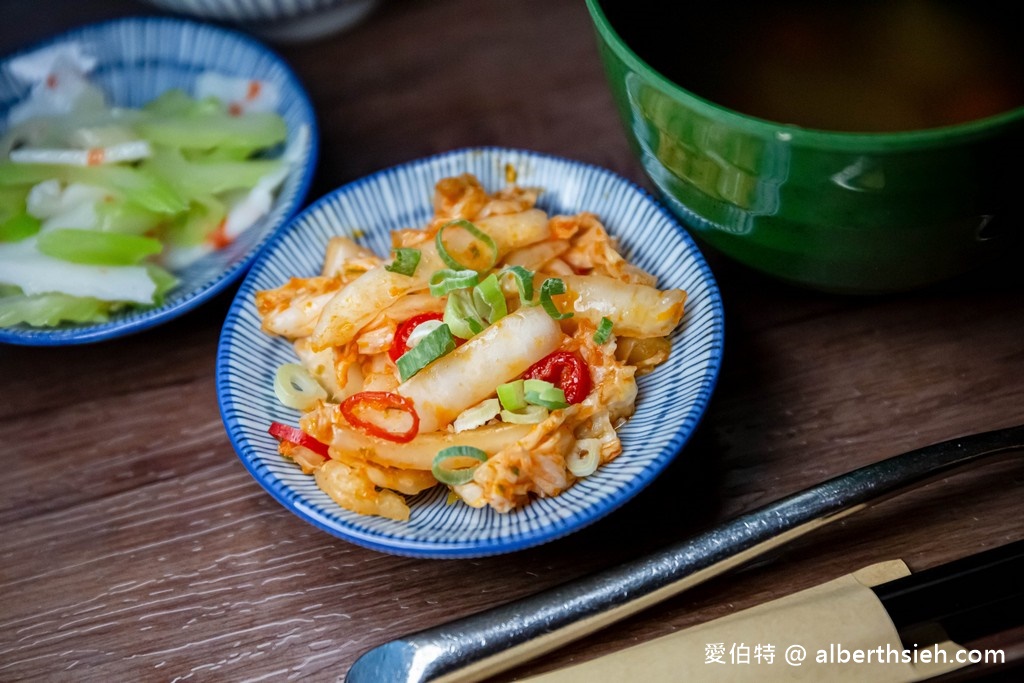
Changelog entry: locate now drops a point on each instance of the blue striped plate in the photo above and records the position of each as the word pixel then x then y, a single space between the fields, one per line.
pixel 137 60
pixel 278 20
pixel 671 401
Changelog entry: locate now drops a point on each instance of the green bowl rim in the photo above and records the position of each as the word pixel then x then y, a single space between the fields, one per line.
pixel 943 135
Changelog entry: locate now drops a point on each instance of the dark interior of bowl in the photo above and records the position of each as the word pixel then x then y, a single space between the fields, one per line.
pixel 860 66
pixel 860 147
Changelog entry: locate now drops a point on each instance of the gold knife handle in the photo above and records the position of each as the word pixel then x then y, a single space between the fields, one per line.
pixel 481 645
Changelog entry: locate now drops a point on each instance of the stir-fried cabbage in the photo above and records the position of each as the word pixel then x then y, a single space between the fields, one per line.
pixel 500 364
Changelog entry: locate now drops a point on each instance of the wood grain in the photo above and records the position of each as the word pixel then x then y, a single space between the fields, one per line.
pixel 134 545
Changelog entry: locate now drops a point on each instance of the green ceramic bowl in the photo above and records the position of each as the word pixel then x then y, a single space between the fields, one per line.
pixel 843 212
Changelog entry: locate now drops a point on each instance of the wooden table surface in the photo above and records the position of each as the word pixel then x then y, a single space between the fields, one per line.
pixel 135 546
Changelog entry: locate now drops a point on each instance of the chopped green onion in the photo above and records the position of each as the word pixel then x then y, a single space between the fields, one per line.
pixel 420 332
pixel 585 458
pixel 530 415
pixel 540 393
pixel 489 299
pixel 604 331
pixel 551 287
pixel 537 385
pixel 553 401
pixel 406 260
pixel 433 346
pixel 552 398
pixel 476 232
pixel 512 395
pixel 477 416
pixel 443 469
pixel 96 248
pixel 460 315
pixel 446 280
pixel 296 388
pixel 524 281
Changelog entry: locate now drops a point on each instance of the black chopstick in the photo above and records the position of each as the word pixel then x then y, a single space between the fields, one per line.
pixel 970 598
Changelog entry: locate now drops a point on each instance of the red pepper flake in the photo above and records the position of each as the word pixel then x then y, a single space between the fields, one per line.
pixel 52 81
pixel 235 109
pixel 95 156
pixel 254 90
pixel 219 237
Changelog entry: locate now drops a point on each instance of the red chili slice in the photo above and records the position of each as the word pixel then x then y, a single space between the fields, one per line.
pixel 284 432
pixel 401 343
pixel 380 402
pixel 566 370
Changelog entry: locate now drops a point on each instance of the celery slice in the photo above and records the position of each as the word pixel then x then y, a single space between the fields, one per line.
pixel 164 281
pixel 209 129
pixel 96 248
pixel 12 202
pixel 222 153
pixel 46 310
pixel 194 227
pixel 14 175
pixel 127 218
pixel 191 179
pixel 145 189
pixel 176 102
pixel 18 227
pixel 177 199
pixel 15 223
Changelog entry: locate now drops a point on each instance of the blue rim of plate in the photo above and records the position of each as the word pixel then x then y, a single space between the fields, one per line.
pixel 400 197
pixel 296 108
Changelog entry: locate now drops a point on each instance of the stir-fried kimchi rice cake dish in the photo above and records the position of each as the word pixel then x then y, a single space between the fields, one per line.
pixel 494 351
